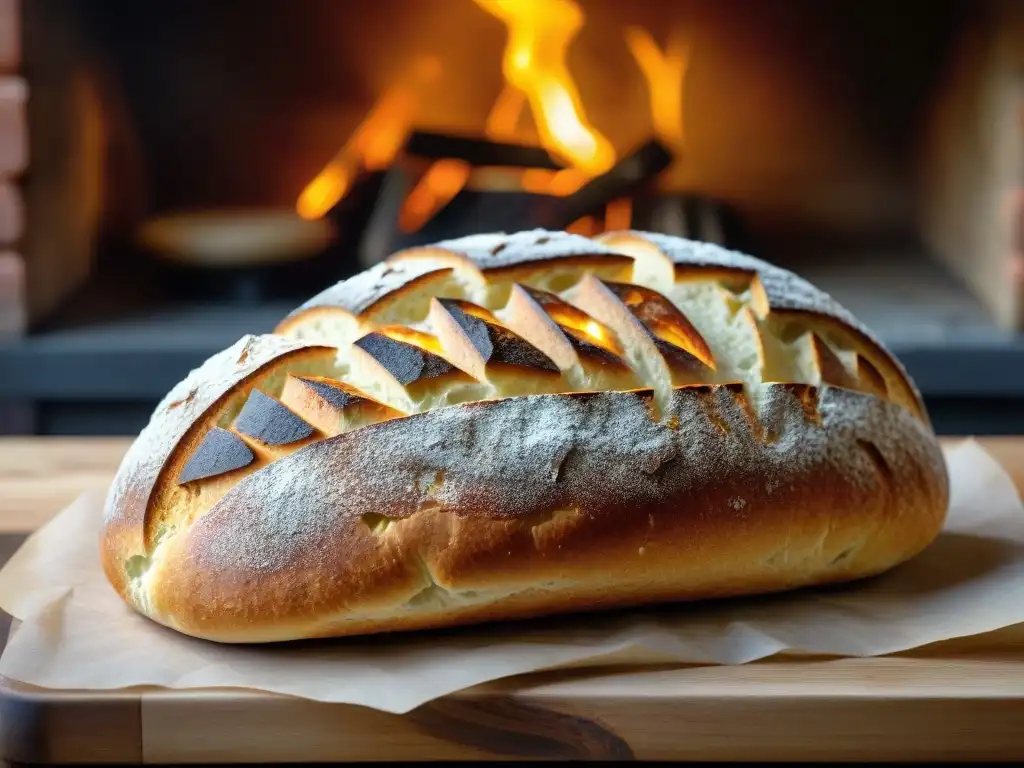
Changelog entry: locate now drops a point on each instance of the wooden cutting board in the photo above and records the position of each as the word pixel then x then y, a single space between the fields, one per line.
pixel 959 700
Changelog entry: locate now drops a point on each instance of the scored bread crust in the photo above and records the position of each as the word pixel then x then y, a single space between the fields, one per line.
pixel 500 503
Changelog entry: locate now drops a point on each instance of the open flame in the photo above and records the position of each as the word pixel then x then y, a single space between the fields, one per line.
pixel 504 116
pixel 434 191
pixel 665 74
pixel 373 144
pixel 534 63
pixel 537 79
pixel 557 183
pixel 618 214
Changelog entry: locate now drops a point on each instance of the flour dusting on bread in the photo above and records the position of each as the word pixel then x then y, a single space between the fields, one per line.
pixel 575 425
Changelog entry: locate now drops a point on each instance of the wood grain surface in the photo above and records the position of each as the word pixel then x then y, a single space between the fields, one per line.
pixel 958 700
pixel 39 476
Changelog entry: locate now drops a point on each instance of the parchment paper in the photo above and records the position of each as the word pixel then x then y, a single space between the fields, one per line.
pixel 77 634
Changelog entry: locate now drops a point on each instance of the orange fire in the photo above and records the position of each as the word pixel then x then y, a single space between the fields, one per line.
pixel 557 183
pixel 665 74
pixel 373 145
pixel 505 114
pixel 534 63
pixel 618 214
pixel 588 226
pixel 537 78
pixel 435 189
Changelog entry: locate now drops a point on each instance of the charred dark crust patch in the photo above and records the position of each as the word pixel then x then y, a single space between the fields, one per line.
pixel 495 343
pixel 334 395
pixel 475 328
pixel 511 349
pixel 654 312
pixel 591 351
pixel 544 299
pixel 403 361
pixel 584 347
pixel 512 262
pixel 220 451
pixel 678 359
pixel 271 422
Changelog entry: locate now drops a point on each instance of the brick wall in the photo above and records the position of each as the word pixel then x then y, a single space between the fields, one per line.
pixel 13 162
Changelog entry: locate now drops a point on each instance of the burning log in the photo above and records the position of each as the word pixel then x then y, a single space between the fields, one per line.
pixel 503 208
pixel 626 178
pixel 470 211
pixel 426 195
pixel 416 205
pixel 432 186
pixel 374 143
pixel 478 152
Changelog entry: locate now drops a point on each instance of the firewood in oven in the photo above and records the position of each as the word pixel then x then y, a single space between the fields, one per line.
pixel 497 210
pixel 477 152
pixel 467 212
pixel 627 177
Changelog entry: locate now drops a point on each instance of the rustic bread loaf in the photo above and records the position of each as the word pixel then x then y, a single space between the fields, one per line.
pixel 507 426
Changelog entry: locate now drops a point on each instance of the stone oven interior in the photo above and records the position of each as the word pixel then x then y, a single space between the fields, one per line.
pixel 873 149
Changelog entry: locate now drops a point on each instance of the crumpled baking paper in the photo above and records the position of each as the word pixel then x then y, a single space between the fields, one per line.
pixel 77 634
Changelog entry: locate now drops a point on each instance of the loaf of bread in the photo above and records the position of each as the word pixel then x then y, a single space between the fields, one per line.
pixel 507 426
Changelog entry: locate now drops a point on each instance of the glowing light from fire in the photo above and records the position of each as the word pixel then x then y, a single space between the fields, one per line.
pixel 557 183
pixel 326 189
pixel 618 214
pixel 665 74
pixel 435 189
pixel 539 35
pixel 586 226
pixel 373 144
pixel 505 114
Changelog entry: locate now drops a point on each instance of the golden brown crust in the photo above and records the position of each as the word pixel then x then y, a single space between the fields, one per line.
pixel 173 425
pixel 703 510
pixel 442 450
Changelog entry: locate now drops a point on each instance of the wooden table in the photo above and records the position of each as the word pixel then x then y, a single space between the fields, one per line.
pixel 40 476
pixel 948 701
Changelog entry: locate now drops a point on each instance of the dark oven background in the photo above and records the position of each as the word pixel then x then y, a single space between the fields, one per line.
pixel 874 152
